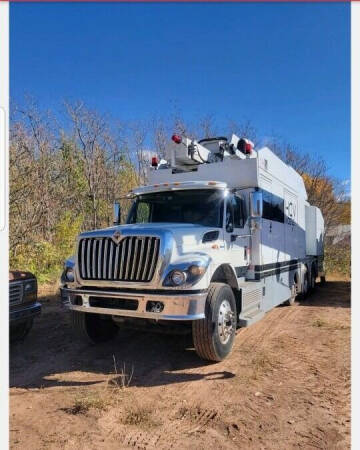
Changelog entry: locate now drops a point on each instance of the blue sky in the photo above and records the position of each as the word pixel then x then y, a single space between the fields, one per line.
pixel 284 67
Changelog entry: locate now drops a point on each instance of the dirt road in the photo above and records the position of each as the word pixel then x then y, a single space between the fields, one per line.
pixel 286 385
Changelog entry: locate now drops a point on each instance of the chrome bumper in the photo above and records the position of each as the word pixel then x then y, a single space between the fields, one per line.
pixel 176 306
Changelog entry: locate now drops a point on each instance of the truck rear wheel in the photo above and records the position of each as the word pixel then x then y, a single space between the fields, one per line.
pixel 95 328
pixel 305 285
pixel 213 336
pixel 312 285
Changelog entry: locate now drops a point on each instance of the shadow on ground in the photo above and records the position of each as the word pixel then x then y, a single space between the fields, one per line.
pixel 331 294
pixel 52 356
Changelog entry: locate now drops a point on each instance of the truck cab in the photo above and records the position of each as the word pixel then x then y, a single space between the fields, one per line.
pixel 204 245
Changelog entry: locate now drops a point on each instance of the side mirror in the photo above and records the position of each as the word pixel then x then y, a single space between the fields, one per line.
pixel 256 204
pixel 229 227
pixel 117 213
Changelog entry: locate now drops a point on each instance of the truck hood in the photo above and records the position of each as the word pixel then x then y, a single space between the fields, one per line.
pixel 16 275
pixel 186 235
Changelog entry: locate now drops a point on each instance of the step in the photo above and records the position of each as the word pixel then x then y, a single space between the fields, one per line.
pixel 250 318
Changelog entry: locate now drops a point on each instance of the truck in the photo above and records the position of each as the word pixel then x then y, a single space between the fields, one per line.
pixel 23 304
pixel 219 235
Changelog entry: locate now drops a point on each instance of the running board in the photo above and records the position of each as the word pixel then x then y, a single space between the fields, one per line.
pixel 250 319
pixel 251 299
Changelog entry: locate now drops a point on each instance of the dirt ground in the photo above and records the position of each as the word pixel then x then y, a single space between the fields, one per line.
pixel 286 385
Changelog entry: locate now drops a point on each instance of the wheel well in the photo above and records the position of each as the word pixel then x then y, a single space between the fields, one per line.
pixel 225 274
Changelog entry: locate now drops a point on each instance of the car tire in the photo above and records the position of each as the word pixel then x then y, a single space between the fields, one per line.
pixel 95 328
pixel 19 331
pixel 213 336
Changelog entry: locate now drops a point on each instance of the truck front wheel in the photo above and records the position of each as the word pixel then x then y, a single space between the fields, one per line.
pixel 213 336
pixel 95 328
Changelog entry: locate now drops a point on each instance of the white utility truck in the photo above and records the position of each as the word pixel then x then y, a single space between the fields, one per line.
pixel 221 234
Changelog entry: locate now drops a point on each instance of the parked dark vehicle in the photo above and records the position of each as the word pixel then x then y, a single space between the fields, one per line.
pixel 23 304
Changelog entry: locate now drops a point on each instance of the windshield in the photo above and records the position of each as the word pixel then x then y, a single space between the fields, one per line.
pixel 200 207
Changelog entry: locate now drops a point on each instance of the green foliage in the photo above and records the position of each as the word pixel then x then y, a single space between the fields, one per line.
pixel 338 259
pixel 44 258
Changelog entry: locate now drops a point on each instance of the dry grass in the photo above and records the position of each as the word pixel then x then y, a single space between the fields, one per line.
pixel 262 364
pixel 83 404
pixel 110 395
pixel 140 416
pixel 320 323
pixel 123 378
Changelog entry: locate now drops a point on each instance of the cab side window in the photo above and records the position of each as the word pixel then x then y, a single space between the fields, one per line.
pixel 239 211
pixel 229 222
pixel 273 207
pixel 267 209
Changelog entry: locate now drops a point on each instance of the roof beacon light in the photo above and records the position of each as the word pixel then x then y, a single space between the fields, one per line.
pixel 154 161
pixel 176 138
pixel 245 146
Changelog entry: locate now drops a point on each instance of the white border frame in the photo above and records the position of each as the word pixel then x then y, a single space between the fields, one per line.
pixel 355 166
pixel 355 220
pixel 4 224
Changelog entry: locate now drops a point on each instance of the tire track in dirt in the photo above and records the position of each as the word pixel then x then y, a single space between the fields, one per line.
pixel 299 397
pixel 186 422
pixel 259 335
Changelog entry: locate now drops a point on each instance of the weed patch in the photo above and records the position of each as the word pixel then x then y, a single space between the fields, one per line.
pixel 139 416
pixel 320 323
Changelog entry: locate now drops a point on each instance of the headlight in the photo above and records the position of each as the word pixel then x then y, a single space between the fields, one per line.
pixel 69 275
pixel 30 286
pixel 189 275
pixel 178 277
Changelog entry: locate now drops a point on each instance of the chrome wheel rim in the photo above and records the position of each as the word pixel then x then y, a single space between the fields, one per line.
pixel 225 322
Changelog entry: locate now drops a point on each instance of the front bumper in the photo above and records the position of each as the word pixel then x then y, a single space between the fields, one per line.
pixel 24 312
pixel 175 306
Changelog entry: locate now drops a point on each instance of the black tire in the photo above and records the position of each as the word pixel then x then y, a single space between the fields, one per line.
pixel 322 280
pixel 18 332
pixel 209 341
pixel 94 328
pixel 292 299
pixel 312 283
pixel 305 285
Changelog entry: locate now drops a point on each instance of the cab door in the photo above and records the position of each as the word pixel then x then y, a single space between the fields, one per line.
pixel 237 233
pixel 266 224
pixel 291 225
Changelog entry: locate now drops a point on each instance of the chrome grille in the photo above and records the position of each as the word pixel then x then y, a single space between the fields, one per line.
pixel 133 259
pixel 15 293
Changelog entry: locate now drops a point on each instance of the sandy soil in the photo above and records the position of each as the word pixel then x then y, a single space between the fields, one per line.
pixel 286 385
